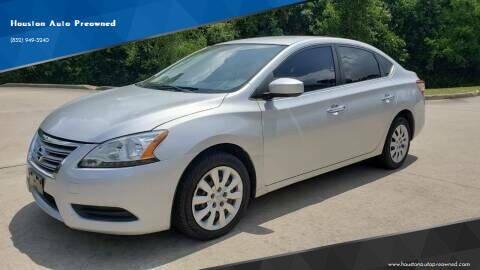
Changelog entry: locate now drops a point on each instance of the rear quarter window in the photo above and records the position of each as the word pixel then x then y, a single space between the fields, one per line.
pixel 385 64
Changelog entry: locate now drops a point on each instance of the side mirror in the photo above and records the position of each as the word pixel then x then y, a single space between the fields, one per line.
pixel 285 87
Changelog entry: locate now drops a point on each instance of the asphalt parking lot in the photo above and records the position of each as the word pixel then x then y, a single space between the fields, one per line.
pixel 439 184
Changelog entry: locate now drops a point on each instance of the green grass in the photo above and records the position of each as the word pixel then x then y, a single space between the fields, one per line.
pixel 454 90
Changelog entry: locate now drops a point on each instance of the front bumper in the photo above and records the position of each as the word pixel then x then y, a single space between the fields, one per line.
pixel 146 191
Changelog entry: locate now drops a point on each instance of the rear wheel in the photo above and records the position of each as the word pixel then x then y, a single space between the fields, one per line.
pixel 212 196
pixel 397 144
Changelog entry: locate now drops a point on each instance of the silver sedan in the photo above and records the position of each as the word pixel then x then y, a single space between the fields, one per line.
pixel 192 145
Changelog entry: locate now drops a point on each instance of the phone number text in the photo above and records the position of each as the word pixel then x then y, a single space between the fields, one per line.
pixel 29 40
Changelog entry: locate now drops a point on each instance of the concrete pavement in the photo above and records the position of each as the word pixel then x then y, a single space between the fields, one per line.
pixel 439 184
pixel 21 111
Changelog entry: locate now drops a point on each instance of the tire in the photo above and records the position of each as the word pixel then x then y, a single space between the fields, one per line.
pixel 196 220
pixel 399 130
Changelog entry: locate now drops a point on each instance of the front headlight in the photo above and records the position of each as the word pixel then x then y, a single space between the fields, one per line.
pixel 126 151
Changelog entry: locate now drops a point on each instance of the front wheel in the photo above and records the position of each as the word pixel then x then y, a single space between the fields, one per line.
pixel 397 144
pixel 212 196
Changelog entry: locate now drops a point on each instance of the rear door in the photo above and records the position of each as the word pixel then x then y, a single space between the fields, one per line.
pixel 368 97
pixel 301 134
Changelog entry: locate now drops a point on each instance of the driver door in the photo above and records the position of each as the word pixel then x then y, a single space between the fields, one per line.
pixel 304 133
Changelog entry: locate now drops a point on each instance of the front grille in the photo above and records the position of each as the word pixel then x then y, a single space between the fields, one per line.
pixel 49 152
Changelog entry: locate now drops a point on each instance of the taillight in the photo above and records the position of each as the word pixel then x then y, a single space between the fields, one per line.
pixel 421 87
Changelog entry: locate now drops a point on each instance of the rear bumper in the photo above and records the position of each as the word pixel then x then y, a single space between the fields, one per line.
pixel 145 191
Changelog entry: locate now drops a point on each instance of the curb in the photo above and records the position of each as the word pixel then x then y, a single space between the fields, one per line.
pixel 452 96
pixel 46 85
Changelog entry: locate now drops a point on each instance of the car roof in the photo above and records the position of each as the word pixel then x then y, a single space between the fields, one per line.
pixel 289 40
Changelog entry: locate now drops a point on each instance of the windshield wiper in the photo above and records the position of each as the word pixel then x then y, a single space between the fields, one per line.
pixel 169 86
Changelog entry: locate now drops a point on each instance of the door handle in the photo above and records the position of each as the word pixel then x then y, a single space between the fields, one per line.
pixel 387 98
pixel 336 109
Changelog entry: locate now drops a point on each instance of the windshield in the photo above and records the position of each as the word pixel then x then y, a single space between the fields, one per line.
pixel 217 69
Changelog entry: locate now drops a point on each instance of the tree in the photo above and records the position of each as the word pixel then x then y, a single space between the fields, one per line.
pixel 442 38
pixel 458 39
pixel 219 32
pixel 439 39
pixel 266 24
pixel 148 57
pixel 364 20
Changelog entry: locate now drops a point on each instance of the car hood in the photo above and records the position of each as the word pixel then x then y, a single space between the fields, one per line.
pixel 121 111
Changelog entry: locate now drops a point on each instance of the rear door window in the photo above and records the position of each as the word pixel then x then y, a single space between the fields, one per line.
pixel 315 67
pixel 358 64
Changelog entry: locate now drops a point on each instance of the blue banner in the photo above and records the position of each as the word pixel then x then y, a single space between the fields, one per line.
pixel 40 30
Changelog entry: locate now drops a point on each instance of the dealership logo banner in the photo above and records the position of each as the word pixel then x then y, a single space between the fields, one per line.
pixel 41 30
